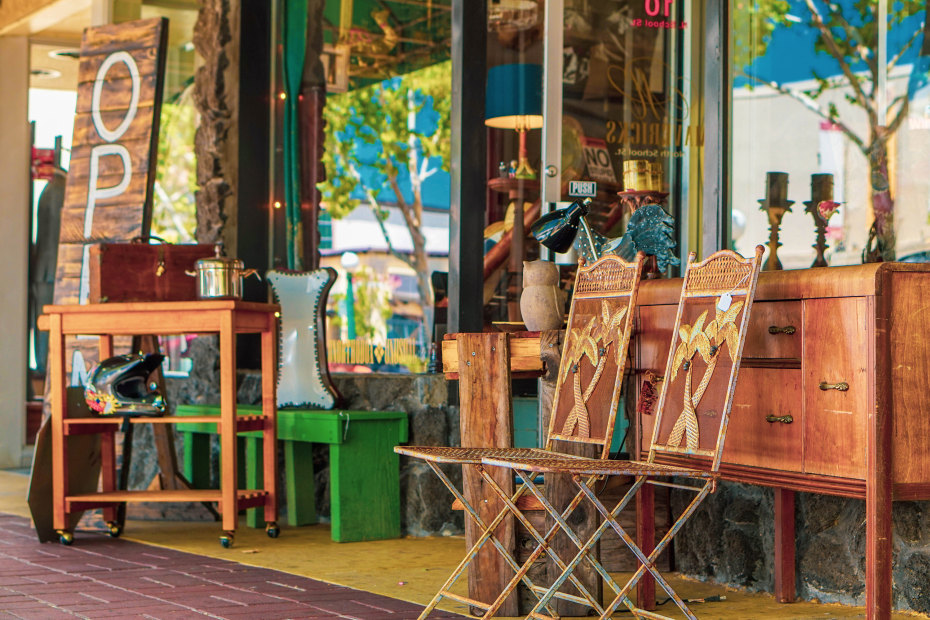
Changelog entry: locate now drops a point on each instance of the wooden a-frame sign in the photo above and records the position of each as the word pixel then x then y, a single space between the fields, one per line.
pixel 108 196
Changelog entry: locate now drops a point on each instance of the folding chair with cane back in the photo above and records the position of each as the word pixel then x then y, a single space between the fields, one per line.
pixel 584 410
pixel 691 421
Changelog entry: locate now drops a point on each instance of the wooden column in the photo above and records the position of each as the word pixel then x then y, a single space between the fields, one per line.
pixel 228 459
pixel 487 421
pixel 269 410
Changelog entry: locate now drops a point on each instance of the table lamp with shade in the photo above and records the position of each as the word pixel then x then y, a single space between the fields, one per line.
pixel 514 101
pixel 557 229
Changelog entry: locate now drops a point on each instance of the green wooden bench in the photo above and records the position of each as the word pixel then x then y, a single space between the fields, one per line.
pixel 363 468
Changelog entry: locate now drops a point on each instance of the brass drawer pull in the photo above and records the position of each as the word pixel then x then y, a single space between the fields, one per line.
pixel 842 386
pixel 784 419
pixel 787 330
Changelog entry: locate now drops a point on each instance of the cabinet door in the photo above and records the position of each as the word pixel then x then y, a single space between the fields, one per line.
pixel 836 352
pixel 766 420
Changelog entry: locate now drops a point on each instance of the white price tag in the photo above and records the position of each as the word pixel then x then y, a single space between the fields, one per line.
pixel 723 304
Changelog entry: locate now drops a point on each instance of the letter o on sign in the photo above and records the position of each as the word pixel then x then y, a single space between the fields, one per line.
pixel 108 62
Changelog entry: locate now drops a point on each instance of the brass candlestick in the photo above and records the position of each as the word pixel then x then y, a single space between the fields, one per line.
pixel 821 190
pixel 776 204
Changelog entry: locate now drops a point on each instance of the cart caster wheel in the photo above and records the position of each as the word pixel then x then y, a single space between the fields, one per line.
pixel 113 529
pixel 272 529
pixel 65 537
pixel 226 540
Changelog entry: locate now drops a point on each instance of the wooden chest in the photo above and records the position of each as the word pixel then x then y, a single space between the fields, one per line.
pixel 128 272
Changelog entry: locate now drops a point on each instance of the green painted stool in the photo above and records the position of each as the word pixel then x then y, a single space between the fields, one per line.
pixel 363 468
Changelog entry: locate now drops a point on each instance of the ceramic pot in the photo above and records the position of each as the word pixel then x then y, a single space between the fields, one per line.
pixel 542 302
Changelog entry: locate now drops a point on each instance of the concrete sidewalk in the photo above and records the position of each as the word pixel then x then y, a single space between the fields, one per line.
pixel 112 578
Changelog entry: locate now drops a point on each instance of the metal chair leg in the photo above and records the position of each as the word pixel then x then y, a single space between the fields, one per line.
pixel 487 535
pixel 543 547
pixel 584 549
pixel 647 564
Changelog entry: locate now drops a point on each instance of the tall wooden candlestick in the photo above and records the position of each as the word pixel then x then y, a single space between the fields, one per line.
pixel 776 204
pixel 821 190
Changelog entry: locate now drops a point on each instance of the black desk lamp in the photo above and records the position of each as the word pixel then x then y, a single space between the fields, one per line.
pixel 557 230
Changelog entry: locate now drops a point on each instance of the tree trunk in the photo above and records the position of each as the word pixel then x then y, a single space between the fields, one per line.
pixel 423 281
pixel 881 247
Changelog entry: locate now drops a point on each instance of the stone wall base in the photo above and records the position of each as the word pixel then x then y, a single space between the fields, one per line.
pixel 731 540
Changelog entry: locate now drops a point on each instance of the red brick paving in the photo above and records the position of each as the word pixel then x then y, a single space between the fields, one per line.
pixel 101 577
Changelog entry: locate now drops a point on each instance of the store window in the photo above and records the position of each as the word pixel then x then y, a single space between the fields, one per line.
pixel 384 218
pixel 830 117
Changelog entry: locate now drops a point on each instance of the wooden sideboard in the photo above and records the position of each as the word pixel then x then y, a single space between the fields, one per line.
pixel 833 397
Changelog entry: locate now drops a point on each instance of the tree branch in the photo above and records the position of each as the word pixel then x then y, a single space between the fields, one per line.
pixel 900 115
pixel 834 51
pixel 376 211
pixel 811 105
pixel 401 203
pixel 894 61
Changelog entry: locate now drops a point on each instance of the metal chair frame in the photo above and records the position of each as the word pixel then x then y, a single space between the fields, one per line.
pixel 608 278
pixel 723 275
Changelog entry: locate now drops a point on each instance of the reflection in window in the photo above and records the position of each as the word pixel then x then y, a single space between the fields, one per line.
pixel 386 191
pixel 631 106
pixel 174 209
pixel 836 92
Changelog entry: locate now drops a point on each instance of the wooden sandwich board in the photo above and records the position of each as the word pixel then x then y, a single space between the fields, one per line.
pixel 108 193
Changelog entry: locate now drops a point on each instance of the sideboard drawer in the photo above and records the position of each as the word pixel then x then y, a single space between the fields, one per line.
pixel 774 330
pixel 766 420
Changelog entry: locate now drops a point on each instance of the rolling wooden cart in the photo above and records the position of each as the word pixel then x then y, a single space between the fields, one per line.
pixel 227 318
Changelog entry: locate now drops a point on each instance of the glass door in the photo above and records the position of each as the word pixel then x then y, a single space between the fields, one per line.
pixel 623 108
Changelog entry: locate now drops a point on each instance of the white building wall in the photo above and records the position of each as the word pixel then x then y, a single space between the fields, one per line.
pixel 775 132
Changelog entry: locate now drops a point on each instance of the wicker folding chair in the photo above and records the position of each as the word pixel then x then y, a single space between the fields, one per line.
pixel 584 410
pixel 689 428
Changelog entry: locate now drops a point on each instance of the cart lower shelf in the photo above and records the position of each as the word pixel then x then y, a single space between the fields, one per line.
pixel 245 498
